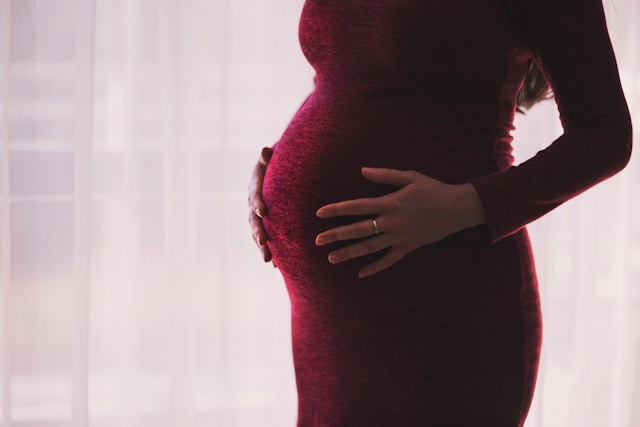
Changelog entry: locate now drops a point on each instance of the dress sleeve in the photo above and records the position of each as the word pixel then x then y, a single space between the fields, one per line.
pixel 570 43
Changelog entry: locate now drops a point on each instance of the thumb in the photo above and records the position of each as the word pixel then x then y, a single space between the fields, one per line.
pixel 393 177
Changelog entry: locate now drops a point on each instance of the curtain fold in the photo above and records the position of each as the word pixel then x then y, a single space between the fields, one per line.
pixel 5 223
pixel 131 293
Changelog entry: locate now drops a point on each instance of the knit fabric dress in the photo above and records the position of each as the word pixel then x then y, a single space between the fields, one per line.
pixel 450 335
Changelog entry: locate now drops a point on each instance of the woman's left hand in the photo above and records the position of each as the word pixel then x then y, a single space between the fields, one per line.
pixel 423 210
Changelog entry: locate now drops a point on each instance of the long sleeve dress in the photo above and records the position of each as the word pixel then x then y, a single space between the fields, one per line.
pixel 450 335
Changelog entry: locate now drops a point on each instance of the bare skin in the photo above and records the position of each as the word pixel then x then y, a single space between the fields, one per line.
pixel 256 206
pixel 421 211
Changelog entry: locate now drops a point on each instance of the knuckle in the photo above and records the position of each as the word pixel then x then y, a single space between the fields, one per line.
pixel 415 175
pixel 392 204
pixel 397 256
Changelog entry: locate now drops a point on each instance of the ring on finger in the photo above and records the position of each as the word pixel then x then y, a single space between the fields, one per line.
pixel 376 230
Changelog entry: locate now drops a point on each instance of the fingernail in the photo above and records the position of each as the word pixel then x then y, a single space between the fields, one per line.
pixel 257 211
pixel 320 241
pixel 320 213
pixel 335 258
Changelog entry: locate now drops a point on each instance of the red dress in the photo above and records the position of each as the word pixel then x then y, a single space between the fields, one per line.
pixel 450 335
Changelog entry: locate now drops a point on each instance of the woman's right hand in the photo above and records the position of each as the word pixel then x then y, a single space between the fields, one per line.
pixel 256 206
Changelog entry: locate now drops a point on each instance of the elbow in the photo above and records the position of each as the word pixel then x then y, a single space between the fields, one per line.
pixel 607 134
pixel 623 143
pixel 615 142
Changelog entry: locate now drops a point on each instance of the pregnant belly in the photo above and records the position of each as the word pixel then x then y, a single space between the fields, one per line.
pixel 318 161
pixel 299 180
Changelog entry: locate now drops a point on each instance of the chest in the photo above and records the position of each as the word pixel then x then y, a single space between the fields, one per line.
pixel 443 36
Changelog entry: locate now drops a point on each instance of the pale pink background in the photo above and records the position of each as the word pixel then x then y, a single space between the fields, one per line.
pixel 131 293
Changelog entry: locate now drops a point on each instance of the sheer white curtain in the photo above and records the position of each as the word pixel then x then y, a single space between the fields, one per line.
pixel 130 290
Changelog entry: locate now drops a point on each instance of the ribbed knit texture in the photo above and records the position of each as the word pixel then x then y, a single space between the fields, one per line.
pixel 450 335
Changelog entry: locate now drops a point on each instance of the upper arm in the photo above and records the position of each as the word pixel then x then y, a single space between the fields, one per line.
pixel 570 43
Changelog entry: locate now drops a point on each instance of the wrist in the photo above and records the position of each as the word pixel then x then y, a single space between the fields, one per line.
pixel 470 209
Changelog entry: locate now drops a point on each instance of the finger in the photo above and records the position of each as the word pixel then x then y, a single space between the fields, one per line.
pixel 255 187
pixel 366 247
pixel 265 155
pixel 368 206
pixel 259 236
pixel 346 232
pixel 256 227
pixel 257 205
pixel 255 192
pixel 394 255
pixel 255 202
pixel 266 254
pixel 394 177
pixel 264 250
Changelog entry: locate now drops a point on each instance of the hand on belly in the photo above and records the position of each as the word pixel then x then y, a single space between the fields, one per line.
pixel 421 211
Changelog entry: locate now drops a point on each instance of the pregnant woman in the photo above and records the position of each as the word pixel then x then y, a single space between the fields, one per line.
pixel 394 212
